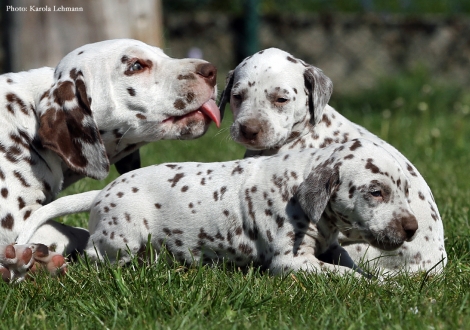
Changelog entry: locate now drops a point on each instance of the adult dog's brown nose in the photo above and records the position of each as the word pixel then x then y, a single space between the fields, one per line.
pixel 208 72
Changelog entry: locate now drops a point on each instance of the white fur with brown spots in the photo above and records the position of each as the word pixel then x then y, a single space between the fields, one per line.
pixel 279 103
pixel 279 213
pixel 97 107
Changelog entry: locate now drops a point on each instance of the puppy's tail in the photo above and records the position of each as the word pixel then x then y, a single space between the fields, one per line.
pixel 62 206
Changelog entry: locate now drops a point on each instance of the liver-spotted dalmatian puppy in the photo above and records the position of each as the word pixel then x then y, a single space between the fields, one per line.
pixel 279 213
pixel 100 104
pixel 279 103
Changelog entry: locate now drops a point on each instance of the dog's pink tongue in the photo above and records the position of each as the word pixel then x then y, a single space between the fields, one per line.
pixel 211 109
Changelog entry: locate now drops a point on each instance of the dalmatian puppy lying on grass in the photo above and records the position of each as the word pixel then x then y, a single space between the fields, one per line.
pixel 279 213
pixel 279 103
pixel 97 107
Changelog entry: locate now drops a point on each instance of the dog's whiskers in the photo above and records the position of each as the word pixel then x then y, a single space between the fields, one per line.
pixel 222 130
pixel 120 139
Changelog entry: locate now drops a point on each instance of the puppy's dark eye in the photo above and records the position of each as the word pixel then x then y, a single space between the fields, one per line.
pixel 237 97
pixel 376 193
pixel 136 66
pixel 281 100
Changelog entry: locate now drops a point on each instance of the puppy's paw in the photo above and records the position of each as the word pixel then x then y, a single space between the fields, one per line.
pixel 18 261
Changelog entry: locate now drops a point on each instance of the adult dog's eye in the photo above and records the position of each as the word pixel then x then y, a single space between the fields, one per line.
pixel 136 66
pixel 237 97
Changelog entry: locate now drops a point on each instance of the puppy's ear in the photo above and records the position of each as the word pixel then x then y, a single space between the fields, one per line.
pixel 67 127
pixel 225 97
pixel 320 88
pixel 315 191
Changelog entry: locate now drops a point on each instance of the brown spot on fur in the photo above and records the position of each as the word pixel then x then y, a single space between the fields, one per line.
pixel 291 59
pixel 20 177
pixel 245 249
pixel 280 221
pixel 326 120
pixel 14 99
pixel 27 214
pixel 411 170
pixel 204 235
pixel 238 170
pixel 293 135
pixel 175 179
pixel 355 145
pixel 370 166
pixel 269 235
pixel 8 221
pixel 131 91
pixel 326 142
pixel 178 242
pixel 179 104
pixel 21 203
pixel 351 191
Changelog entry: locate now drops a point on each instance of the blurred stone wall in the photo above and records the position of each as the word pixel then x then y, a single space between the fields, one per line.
pixel 352 49
pixel 39 33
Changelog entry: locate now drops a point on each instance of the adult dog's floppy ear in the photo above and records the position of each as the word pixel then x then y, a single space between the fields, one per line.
pixel 67 127
pixel 315 191
pixel 320 88
pixel 225 97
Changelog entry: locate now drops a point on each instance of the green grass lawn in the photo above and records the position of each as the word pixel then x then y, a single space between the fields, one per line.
pixel 427 121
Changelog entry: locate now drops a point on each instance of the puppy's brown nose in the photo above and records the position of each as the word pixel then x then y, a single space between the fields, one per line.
pixel 208 72
pixel 410 226
pixel 249 132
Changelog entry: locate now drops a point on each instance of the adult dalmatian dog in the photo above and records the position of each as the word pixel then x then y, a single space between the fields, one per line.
pixel 279 213
pixel 97 107
pixel 279 103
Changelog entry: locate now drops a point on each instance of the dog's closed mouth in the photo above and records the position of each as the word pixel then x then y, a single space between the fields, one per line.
pixel 209 109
